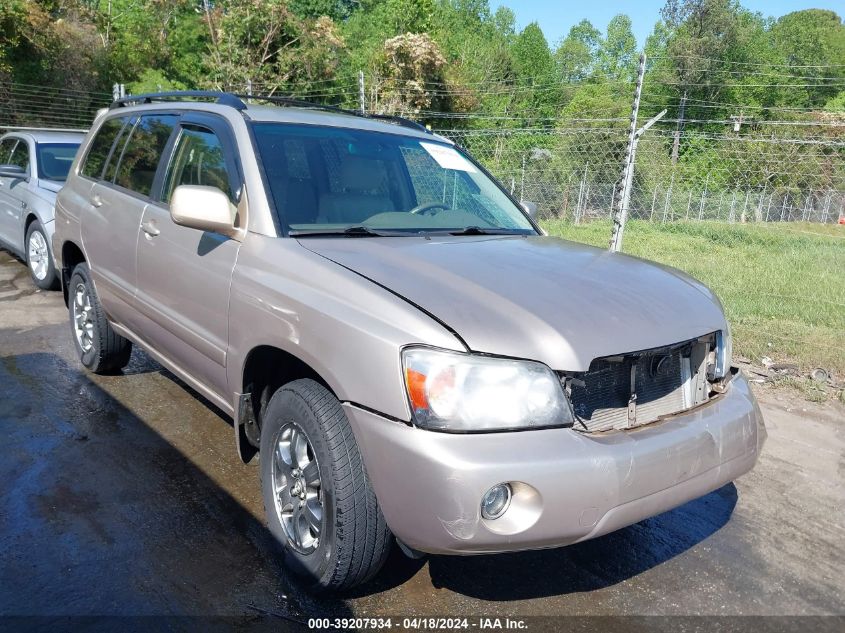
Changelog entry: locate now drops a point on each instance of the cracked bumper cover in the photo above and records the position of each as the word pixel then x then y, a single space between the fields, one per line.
pixel 569 487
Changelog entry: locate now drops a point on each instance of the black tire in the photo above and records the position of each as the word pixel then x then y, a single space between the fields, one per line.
pixel 108 351
pixel 354 539
pixel 50 281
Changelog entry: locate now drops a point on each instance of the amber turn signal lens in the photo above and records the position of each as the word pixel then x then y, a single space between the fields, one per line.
pixel 415 382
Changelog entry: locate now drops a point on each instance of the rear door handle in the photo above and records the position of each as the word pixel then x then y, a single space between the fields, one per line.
pixel 96 201
pixel 150 229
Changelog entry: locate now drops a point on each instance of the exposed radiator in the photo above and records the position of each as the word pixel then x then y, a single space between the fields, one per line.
pixel 630 390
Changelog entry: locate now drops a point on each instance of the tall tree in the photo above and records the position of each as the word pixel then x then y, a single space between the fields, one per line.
pixel 617 54
pixel 814 41
pixel 576 55
pixel 531 55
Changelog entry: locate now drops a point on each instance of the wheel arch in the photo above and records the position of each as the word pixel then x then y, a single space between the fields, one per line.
pixel 266 367
pixel 71 256
pixel 30 218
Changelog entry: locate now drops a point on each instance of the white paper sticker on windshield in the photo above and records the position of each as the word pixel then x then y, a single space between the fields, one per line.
pixel 448 157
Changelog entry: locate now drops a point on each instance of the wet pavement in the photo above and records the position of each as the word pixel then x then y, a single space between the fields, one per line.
pixel 123 495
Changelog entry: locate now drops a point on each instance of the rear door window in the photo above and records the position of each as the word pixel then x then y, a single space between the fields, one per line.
pixel 142 153
pixel 101 148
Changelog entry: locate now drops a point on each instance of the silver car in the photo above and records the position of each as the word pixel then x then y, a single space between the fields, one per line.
pixel 33 167
pixel 393 334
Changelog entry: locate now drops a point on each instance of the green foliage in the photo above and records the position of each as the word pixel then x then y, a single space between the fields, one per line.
pixel 617 54
pixel 813 38
pixel 836 104
pixel 531 55
pixel 152 80
pixel 577 53
pixel 263 43
pixel 335 9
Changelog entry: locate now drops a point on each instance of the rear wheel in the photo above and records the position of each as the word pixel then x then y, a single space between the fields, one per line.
pixel 100 348
pixel 317 497
pixel 39 259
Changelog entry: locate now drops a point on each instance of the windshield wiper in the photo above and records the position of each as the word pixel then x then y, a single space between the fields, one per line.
pixel 352 231
pixel 477 230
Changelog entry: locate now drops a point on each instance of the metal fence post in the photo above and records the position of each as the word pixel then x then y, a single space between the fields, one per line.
pixel 628 165
pixel 703 197
pixel 362 92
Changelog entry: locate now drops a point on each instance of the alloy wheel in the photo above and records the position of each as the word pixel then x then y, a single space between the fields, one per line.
pixel 297 488
pixel 38 255
pixel 83 317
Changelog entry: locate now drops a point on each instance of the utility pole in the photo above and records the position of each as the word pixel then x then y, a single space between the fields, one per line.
pixel 361 92
pixel 676 145
pixel 620 215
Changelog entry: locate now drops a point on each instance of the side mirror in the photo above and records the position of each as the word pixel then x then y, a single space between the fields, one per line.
pixel 204 208
pixel 530 209
pixel 12 171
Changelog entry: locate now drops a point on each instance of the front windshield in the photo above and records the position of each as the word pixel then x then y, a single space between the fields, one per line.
pixel 330 179
pixel 55 159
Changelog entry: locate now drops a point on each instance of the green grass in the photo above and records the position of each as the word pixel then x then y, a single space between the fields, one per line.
pixel 782 285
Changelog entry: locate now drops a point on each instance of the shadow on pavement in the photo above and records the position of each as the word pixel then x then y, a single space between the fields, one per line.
pixel 100 515
pixel 590 565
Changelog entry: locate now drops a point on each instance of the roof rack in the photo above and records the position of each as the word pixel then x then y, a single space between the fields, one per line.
pixel 223 98
pixel 237 101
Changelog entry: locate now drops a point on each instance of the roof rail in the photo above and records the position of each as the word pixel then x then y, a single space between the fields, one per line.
pixel 223 98
pixel 237 101
pixel 300 103
pixel 15 128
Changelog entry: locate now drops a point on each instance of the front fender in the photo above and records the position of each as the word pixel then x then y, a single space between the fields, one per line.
pixel 346 328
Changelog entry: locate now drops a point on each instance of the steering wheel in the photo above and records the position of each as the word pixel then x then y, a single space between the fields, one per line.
pixel 428 206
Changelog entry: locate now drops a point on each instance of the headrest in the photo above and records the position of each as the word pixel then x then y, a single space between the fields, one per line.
pixel 361 174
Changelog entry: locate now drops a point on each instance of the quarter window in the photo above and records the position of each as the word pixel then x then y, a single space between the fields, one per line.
pixel 139 161
pixel 20 155
pixel 100 148
pixel 198 160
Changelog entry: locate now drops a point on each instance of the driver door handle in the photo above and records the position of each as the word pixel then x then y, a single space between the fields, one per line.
pixel 96 201
pixel 149 228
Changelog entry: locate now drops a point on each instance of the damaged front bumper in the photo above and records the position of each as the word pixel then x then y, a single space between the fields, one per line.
pixel 567 486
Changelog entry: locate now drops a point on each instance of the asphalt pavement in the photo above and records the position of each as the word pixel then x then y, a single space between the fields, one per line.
pixel 124 496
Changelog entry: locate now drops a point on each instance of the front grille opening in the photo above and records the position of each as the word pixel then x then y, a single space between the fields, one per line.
pixel 630 390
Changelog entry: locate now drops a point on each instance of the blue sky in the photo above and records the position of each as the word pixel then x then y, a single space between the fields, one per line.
pixel 557 16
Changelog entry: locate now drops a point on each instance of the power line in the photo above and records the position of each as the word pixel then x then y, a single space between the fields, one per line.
pixel 736 63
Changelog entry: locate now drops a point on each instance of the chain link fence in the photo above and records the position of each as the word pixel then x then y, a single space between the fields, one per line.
pixel 750 208
pixel 571 171
pixel 765 171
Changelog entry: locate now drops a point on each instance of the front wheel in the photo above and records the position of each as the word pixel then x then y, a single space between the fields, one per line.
pixel 317 497
pixel 39 260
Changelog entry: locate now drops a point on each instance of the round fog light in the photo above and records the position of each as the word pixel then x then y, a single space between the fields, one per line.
pixel 495 501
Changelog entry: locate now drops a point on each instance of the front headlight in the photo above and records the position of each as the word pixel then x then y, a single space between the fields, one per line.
pixel 724 353
pixel 449 391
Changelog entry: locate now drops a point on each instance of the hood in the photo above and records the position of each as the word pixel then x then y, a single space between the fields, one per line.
pixel 540 298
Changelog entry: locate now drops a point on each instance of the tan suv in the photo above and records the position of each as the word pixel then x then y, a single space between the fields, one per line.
pixel 393 333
